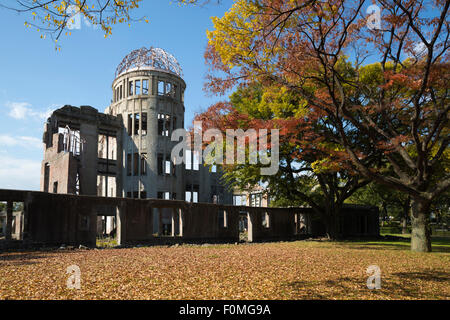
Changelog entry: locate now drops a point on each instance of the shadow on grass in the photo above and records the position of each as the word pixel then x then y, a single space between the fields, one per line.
pixel 29 257
pixel 435 276
pixel 21 259
pixel 394 286
pixel 438 244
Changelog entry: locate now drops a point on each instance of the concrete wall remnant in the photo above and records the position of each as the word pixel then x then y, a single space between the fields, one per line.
pixel 55 219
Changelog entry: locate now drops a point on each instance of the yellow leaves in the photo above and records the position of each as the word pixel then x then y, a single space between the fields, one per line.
pixel 233 34
pixel 282 103
pixel 324 165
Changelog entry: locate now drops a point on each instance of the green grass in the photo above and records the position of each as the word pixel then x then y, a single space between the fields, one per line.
pixel 403 241
pixel 106 242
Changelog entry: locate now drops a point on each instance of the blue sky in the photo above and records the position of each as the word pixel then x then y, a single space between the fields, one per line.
pixel 35 79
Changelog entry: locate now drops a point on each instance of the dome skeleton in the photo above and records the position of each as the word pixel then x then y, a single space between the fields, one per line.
pixel 153 58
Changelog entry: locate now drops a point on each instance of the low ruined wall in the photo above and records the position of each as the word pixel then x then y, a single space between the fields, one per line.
pixel 55 219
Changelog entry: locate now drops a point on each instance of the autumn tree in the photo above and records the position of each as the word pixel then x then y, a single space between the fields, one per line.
pixel 307 172
pixel 300 44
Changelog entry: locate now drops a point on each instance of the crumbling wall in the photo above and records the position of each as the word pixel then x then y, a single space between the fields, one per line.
pixel 55 219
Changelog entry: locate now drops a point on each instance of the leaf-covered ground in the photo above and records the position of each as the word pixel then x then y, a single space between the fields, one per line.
pixel 284 270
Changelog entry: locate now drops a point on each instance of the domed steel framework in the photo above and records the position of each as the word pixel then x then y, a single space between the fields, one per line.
pixel 151 58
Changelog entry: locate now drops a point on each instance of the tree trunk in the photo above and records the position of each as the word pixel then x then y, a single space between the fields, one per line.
pixel 331 226
pixel 420 226
pixel 404 226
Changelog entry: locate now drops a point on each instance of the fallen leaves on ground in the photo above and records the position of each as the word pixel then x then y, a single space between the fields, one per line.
pixel 284 270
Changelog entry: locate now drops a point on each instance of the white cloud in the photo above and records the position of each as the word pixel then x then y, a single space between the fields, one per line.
pixel 18 110
pixel 16 173
pixel 20 141
pixel 22 110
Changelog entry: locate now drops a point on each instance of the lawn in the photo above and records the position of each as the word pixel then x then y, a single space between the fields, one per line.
pixel 282 270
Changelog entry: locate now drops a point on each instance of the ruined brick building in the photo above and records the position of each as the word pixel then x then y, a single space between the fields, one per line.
pixel 125 151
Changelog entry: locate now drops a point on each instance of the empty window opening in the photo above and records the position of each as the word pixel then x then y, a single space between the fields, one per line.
pixel 143 164
pixel 167 126
pixel 71 140
pixel 167 167
pixel 46 176
pixel 160 126
pixel 143 195
pixel 300 220
pixel 17 220
pixel 144 124
pixel 191 194
pixel 130 88
pixel 160 164
pixel 137 87
pixel 160 88
pixel 265 219
pixel 55 187
pixel 136 123
pixel 106 185
pixel 195 161
pixel 135 194
pixel 188 160
pixel 163 124
pixel 168 89
pixel 255 200
pixel 106 147
pixel 239 200
pixel 243 225
pixel 118 93
pixel 144 86
pixel 130 123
